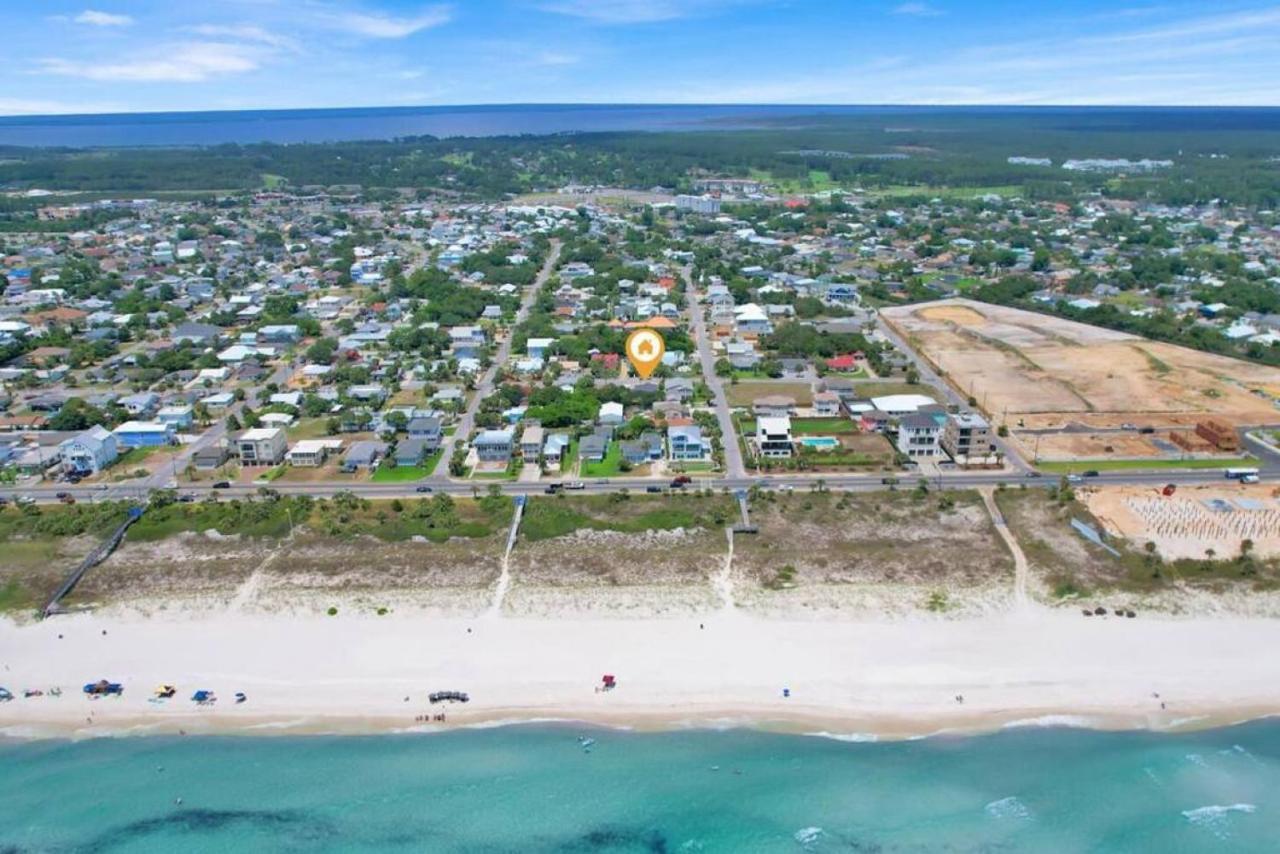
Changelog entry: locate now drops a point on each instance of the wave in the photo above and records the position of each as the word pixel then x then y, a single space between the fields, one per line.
pixel 850 737
pixel 806 836
pixel 1072 721
pixel 1010 807
pixel 1216 817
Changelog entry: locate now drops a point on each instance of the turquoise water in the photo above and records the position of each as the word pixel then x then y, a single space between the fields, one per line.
pixel 819 441
pixel 536 789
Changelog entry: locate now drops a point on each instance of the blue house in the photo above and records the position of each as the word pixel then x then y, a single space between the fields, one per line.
pixel 144 434
pixel 89 452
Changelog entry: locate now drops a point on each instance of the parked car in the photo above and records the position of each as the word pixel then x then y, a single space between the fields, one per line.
pixel 222 484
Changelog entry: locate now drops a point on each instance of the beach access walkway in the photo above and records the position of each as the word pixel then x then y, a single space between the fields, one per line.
pixel 1021 601
pixel 100 553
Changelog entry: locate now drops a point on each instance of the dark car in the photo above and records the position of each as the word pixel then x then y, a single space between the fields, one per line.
pixel 1147 430
pixel 61 495
pixel 1091 473
pixel 653 489
pixel 222 484
pixel 422 489
pixel 888 481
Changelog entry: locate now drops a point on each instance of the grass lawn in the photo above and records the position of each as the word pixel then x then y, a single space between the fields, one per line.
pixel 137 456
pixel 742 394
pixel 308 428
pixel 1127 465
pixel 821 426
pixel 610 466
pixel 884 389
pixel 403 474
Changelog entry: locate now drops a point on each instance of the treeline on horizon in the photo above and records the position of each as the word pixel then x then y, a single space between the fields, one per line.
pixel 1226 155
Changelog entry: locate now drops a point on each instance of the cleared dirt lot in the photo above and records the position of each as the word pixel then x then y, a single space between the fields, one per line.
pixel 1046 371
pixel 871 553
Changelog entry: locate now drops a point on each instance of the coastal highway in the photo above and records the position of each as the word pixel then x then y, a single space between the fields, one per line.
pixel 855 483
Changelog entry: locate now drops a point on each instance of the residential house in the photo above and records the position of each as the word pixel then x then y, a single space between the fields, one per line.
pixel 180 415
pixel 363 455
pixel 918 436
pixel 427 428
pixel 646 449
pixel 773 405
pixel 261 446
pixel 773 436
pixel 89 452
pixel 967 434
pixel 531 441
pixel 411 452
pixel 144 434
pixel 494 446
pixel 686 443
pixel 141 404
pixel 826 404
pixel 554 447
pixel 312 453
pixel 611 413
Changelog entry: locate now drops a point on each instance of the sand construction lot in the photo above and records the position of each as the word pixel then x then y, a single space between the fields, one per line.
pixel 1192 521
pixel 1047 372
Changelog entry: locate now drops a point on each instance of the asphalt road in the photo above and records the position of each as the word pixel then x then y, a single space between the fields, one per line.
pixel 485 387
pixel 854 483
pixel 728 436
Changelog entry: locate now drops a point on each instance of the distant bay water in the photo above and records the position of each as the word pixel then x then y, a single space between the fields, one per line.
pixel 372 123
pixel 335 125
pixel 536 788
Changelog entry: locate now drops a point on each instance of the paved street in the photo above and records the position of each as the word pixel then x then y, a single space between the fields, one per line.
pixel 728 436
pixel 485 387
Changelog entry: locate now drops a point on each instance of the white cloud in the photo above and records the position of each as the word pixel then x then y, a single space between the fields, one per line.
pixel 375 25
pixel 190 62
pixel 917 10
pixel 631 11
pixel 244 32
pixel 38 107
pixel 94 18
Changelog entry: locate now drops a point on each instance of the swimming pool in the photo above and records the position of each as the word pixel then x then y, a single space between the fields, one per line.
pixel 822 443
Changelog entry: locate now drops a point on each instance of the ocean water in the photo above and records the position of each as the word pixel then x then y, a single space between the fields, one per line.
pixel 535 789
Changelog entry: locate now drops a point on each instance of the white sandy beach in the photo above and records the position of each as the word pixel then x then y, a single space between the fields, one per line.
pixel 851 678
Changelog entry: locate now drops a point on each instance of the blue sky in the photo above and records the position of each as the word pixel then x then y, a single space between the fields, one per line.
pixel 135 55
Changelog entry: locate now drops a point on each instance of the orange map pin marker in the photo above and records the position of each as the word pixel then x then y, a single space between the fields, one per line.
pixel 644 350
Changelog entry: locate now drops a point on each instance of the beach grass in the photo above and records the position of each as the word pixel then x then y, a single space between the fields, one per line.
pixel 546 518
